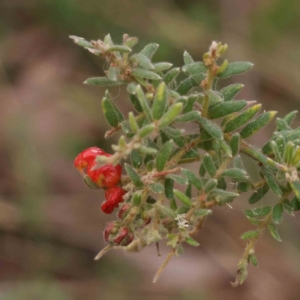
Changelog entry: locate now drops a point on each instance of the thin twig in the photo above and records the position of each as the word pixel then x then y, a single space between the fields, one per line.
pixel 162 267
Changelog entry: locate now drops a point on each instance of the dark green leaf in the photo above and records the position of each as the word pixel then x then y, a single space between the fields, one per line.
pixel 222 109
pixel 196 70
pixel 186 85
pixel 134 176
pixel 169 184
pixel 271 180
pixel 274 232
pixel 209 165
pixel 257 212
pixel 235 143
pixel 171 75
pixel 210 185
pixel 192 178
pixel 278 213
pixel 183 198
pixel 290 117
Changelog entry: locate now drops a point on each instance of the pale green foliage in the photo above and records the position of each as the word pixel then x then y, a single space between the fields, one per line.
pixel 176 199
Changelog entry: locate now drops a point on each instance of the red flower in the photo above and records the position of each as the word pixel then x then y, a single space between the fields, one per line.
pixel 114 196
pixel 87 158
pixel 110 229
pixel 124 210
pixel 106 176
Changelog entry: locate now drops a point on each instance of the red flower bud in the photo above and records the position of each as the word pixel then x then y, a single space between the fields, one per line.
pixel 124 210
pixel 87 158
pixel 106 176
pixel 123 232
pixel 110 229
pixel 107 207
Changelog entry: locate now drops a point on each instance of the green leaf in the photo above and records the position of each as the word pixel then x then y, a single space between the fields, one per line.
pixel 196 69
pixel 259 194
pixel 295 185
pixel 236 122
pixel 192 242
pixel 103 81
pixel 146 74
pixel 235 68
pixel 90 183
pixel 243 187
pixel 163 155
pixel 295 204
pixel 282 125
pixel 172 132
pixel 136 103
pixel 131 42
pixel 146 130
pixel 187 58
pixel 144 102
pixel 209 165
pixel 214 97
pixel 170 115
pixel 276 151
pixel 188 117
pixel 183 198
pixel 136 159
pixel 234 143
pixel 188 190
pixel 143 61
pixel 192 178
pixel 274 232
pixel 167 211
pixel 162 66
pixel 160 101
pixel 219 110
pixel 278 213
pixel 222 196
pixel 210 185
pixel 257 212
pixel 169 184
pixel 236 174
pixel 171 75
pixel 113 73
pixel 254 260
pixel 288 152
pixel 213 129
pixel 149 50
pixel 157 187
pixel 119 48
pixel 111 112
pixel 250 235
pixel 147 150
pixel 178 179
pixel 230 91
pixel 290 117
pixel 81 41
pixel 137 198
pixel 134 176
pixel 271 180
pixel 190 103
pixel 287 206
pixel 257 124
pixel 185 85
pixel 133 124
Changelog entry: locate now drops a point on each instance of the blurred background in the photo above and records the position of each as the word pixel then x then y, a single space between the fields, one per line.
pixel 50 222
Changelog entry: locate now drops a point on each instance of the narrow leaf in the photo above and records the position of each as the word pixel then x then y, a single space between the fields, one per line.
pixel 290 117
pixel 192 242
pixel 143 73
pixel 250 235
pixel 271 180
pixel 144 102
pixel 274 232
pixel 278 213
pixel 209 165
pixel 236 174
pixel 259 194
pixel 169 184
pixel 192 178
pixel 223 109
pixel 210 185
pixel 111 112
pixel 134 176
pixel 186 85
pixel 171 75
pixel 257 124
pixel 170 115
pixel 196 69
pixel 146 130
pixel 163 155
pixel 234 143
pixel 162 66
pixel 157 187
pixel 235 68
pixel 160 101
pixel 230 91
pixel 183 198
pixel 236 122
pixel 213 129
pixel 149 50
pixel 103 81
pixel 187 58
